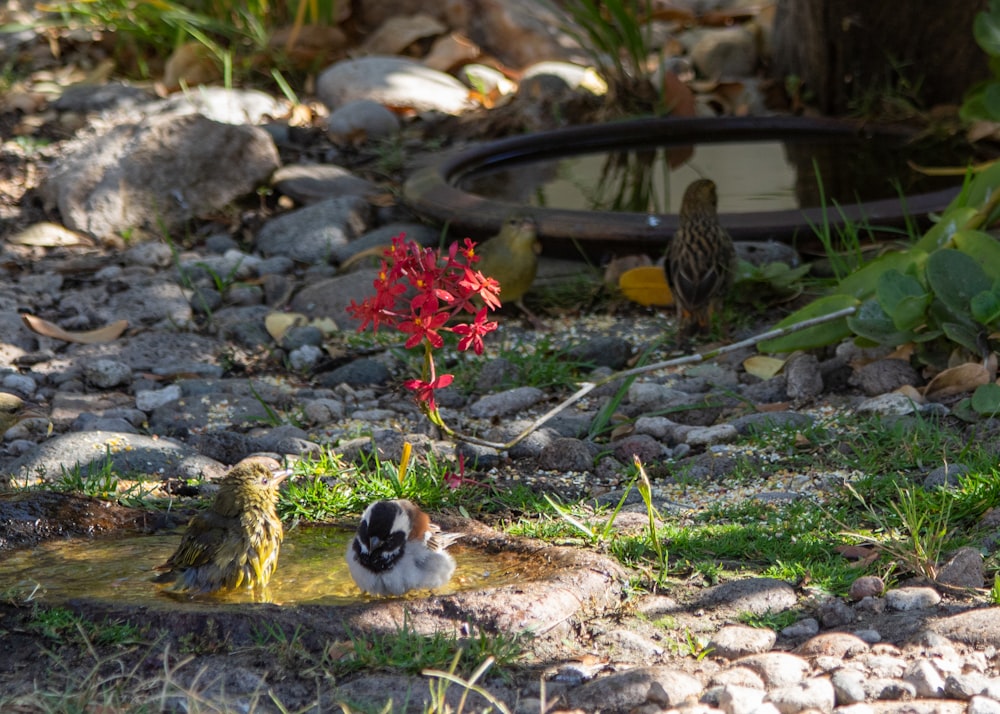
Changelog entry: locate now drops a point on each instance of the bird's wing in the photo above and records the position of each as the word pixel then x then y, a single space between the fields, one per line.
pixel 203 537
pixel 438 540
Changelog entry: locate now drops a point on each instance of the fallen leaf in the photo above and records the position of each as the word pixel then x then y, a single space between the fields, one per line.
pixel 451 51
pixel 621 431
pixel 340 650
pixel 859 553
pixel 763 366
pixel 108 333
pixel 278 323
pixel 191 64
pixel 957 380
pixel 772 407
pixel 620 265
pixel 49 235
pixel 646 285
pixel 397 33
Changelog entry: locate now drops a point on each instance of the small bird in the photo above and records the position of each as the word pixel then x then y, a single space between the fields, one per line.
pixel 701 259
pixel 235 543
pixel 398 549
pixel 511 258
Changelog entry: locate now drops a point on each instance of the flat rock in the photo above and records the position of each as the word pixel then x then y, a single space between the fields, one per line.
pixel 157 174
pixel 128 453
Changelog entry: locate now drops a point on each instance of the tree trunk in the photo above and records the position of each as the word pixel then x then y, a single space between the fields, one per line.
pixel 848 53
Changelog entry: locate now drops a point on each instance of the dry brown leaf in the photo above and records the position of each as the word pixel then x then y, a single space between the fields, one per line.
pixel 399 32
pixel 621 431
pixel 646 285
pixel 191 64
pixel 856 552
pixel 912 393
pixel 772 407
pixel 108 333
pixel 450 51
pixel 904 352
pixel 619 265
pixel 340 650
pixel 957 380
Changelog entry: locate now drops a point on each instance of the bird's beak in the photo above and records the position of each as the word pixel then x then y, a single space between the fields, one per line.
pixel 278 476
pixel 374 542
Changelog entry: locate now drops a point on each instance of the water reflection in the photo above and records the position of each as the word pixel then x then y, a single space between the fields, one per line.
pixel 312 569
pixel 753 176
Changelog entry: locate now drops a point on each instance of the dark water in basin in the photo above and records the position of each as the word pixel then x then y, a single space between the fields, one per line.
pixel 752 176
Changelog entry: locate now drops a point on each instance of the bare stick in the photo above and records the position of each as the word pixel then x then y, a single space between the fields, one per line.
pixel 677 361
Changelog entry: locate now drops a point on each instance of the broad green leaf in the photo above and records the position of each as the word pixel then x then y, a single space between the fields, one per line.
pixel 903 299
pixel 873 323
pixel 817 336
pixel 985 307
pixel 863 282
pixel 954 219
pixel 974 105
pixel 955 278
pixel 981 247
pixel 964 335
pixel 986 399
pixel 983 188
pixel 986 30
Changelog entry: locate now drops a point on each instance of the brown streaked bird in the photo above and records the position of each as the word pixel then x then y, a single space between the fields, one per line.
pixel 701 259
pixel 235 543
pixel 511 258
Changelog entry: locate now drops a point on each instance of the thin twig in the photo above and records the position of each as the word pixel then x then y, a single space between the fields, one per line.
pixel 675 362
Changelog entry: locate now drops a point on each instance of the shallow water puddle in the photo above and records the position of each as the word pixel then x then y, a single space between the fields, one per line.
pixel 312 569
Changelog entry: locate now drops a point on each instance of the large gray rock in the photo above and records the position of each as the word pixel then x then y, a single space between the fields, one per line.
pixel 160 172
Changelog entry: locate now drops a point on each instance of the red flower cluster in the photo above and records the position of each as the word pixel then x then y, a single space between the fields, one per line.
pixel 419 294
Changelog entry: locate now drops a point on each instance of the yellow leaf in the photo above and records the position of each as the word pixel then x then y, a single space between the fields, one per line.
pixel 763 366
pixel 646 285
pixel 49 235
pixel 108 333
pixel 278 323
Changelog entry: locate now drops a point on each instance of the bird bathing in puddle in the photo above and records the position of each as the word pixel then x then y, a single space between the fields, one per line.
pixel 397 549
pixel 234 544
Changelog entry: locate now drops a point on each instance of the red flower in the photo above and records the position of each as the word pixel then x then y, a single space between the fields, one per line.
pixel 487 288
pixel 425 390
pixel 472 333
pixel 424 322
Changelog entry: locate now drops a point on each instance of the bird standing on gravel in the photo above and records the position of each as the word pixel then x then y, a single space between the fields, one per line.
pixel 511 258
pixel 235 543
pixel 700 259
pixel 398 549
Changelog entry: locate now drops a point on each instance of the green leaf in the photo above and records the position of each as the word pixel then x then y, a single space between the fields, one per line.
pixel 903 299
pixel 863 282
pixel 964 335
pixel 955 278
pixel 986 307
pixel 986 30
pixel 986 399
pixel 955 218
pixel 981 247
pixel 983 187
pixel 817 336
pixel 873 323
pixel 991 100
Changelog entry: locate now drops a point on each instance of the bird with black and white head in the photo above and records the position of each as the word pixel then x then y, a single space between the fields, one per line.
pixel 397 549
